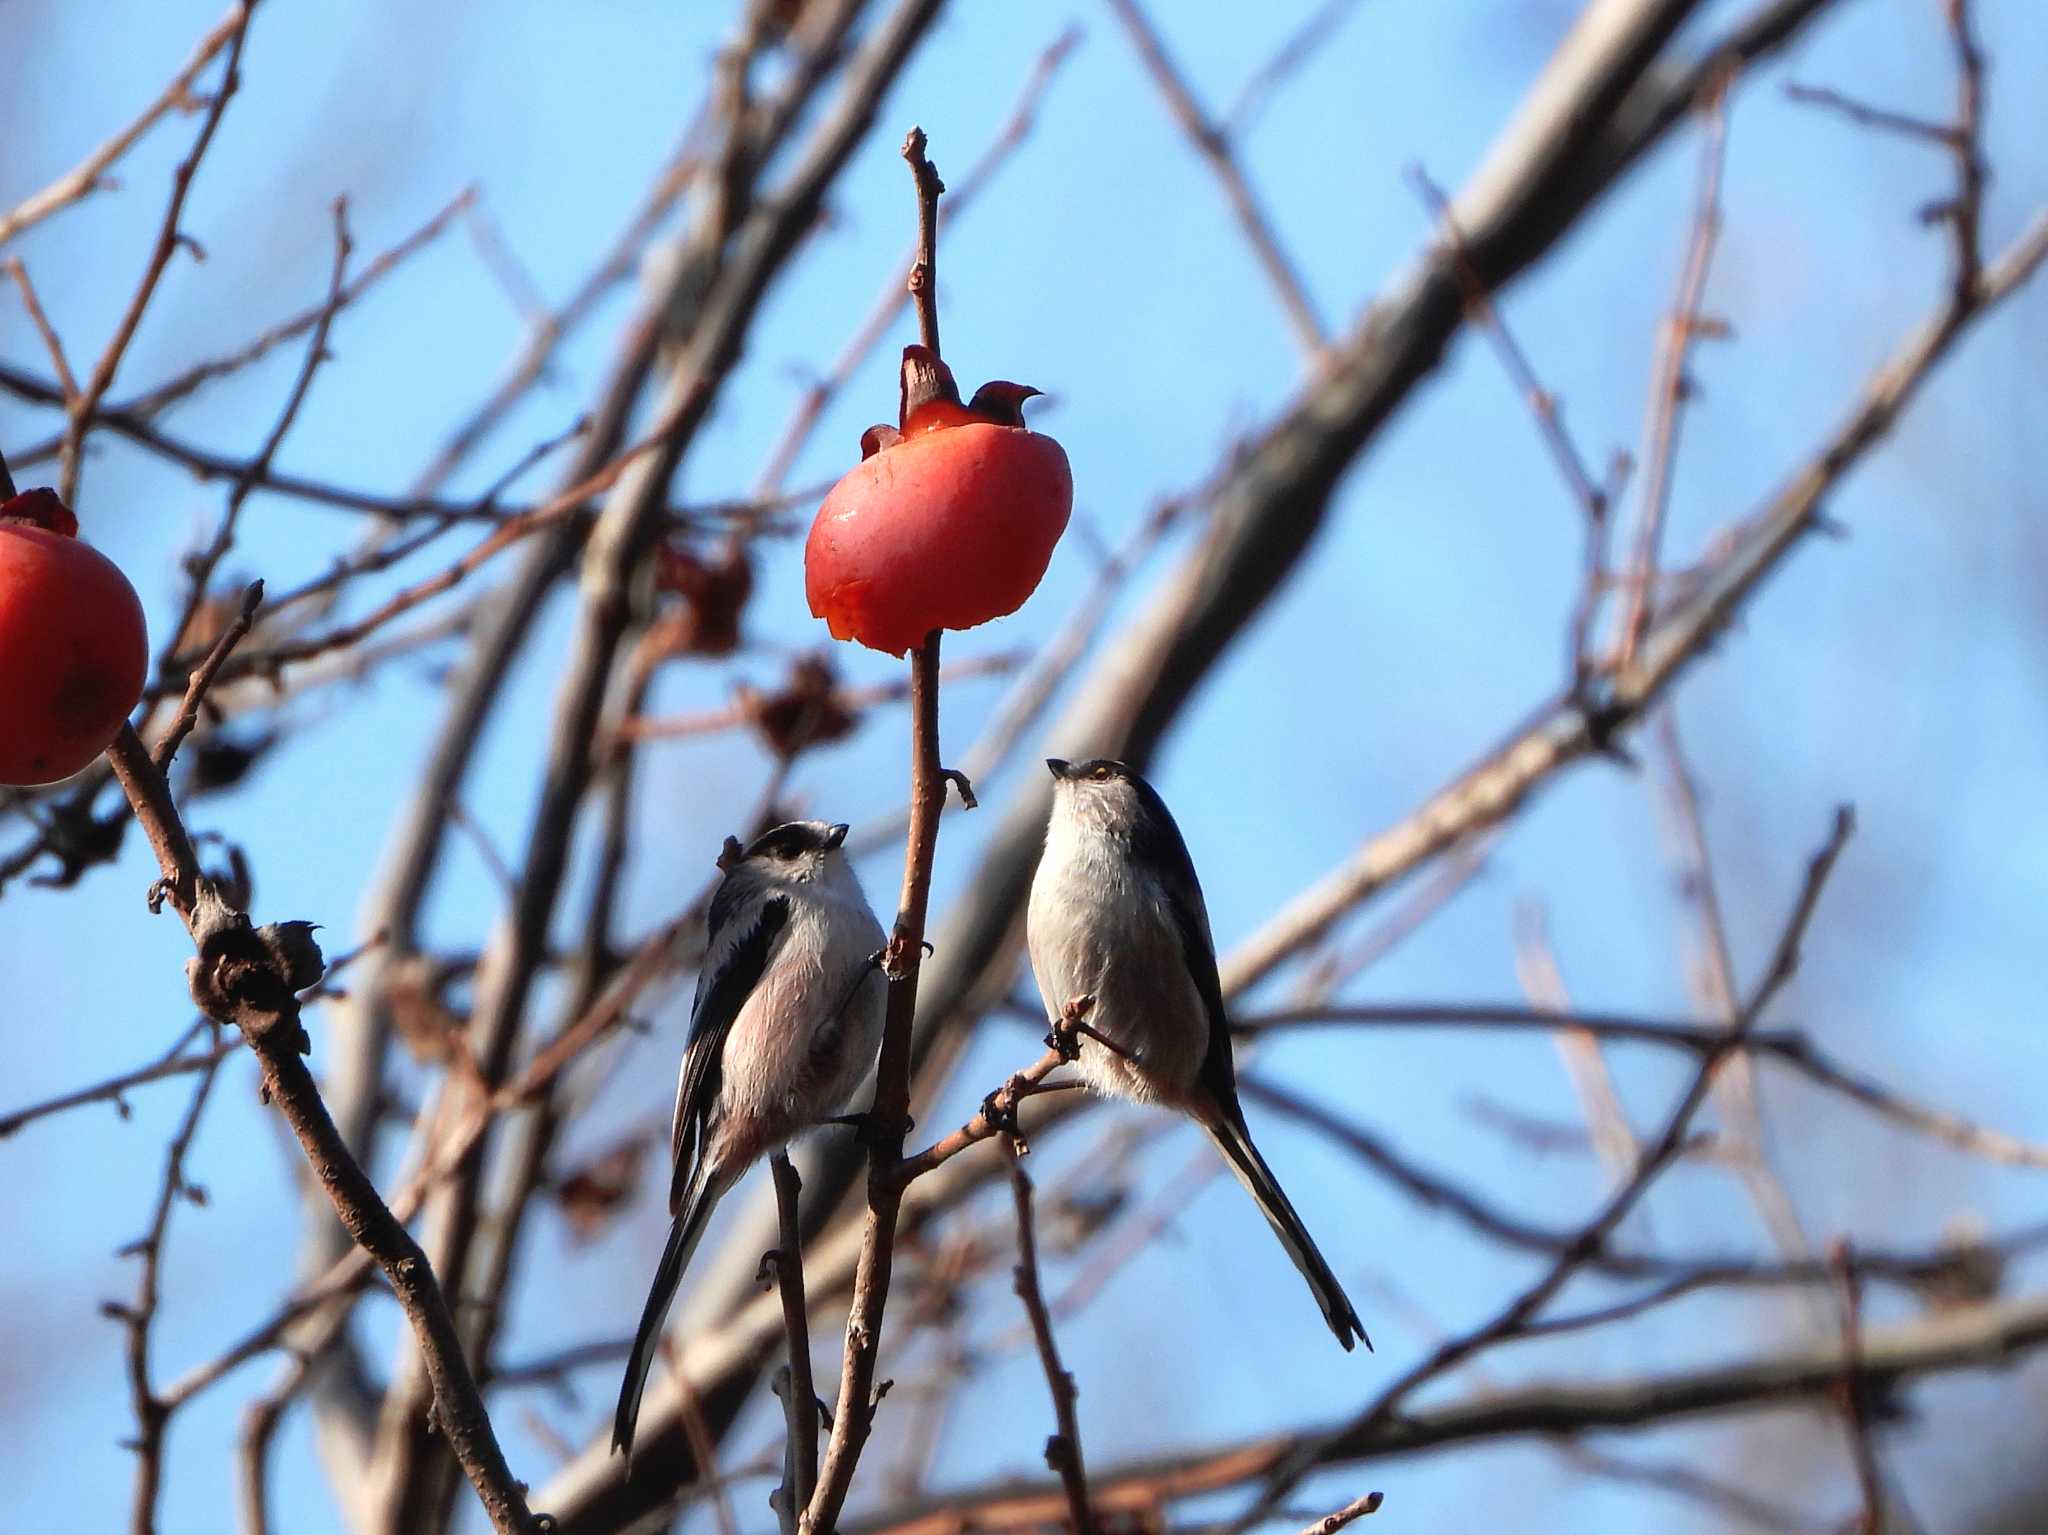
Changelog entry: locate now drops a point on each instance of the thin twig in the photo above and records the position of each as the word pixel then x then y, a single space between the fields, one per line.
pixel 79 410
pixel 89 174
pixel 249 975
pixel 174 1062
pixel 1262 84
pixel 44 328
pixel 1979 1338
pixel 896 290
pixel 1670 387
pixel 1593 1236
pixel 200 567
pixel 151 1414
pixel 1357 1508
pixel 1062 1449
pixel 1212 143
pixel 1851 1400
pixel 201 679
pixel 799 1393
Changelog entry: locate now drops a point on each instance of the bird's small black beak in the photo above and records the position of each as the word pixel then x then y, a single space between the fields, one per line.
pixel 835 836
pixel 1060 767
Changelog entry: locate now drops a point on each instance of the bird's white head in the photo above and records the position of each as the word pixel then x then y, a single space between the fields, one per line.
pixel 1098 795
pixel 797 853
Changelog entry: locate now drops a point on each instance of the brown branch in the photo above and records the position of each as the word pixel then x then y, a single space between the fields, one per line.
pixel 201 679
pixel 51 343
pixel 746 710
pixel 1866 116
pixel 747 245
pixel 998 1114
pixel 345 1275
pixel 80 408
pixel 179 386
pixel 208 465
pixel 1789 1048
pixel 1723 1499
pixel 853 1418
pixel 1357 1508
pixel 1261 85
pixel 384 555
pixel 1062 1449
pixel 1499 785
pixel 1542 402
pixel 1595 499
pixel 1612 104
pixel 889 1117
pixel 152 1416
pixel 1851 1400
pixel 1593 1236
pixel 1670 387
pixel 88 175
pixel 896 290
pixel 200 567
pixel 1979 1337
pixel 1212 143
pixel 248 977
pixel 799 1392
pixel 1712 980
pixel 923 283
pixel 173 1063
pixel 1965 213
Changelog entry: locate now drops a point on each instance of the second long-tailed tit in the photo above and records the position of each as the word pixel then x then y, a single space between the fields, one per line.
pixel 1117 916
pixel 785 1027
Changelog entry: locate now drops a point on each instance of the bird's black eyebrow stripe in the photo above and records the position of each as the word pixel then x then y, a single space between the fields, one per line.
pixel 785 840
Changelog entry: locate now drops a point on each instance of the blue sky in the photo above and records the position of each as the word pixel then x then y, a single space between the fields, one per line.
pixel 1899 668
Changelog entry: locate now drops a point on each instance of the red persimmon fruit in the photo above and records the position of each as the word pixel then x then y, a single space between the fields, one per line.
pixel 74 652
pixel 947 522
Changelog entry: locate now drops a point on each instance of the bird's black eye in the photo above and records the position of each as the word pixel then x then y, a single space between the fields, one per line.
pixel 1101 774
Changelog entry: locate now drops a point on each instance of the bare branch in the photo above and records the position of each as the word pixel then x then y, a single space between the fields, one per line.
pixel 1063 1449
pixel 80 408
pixel 89 174
pixel 1981 1337
pixel 1212 143
pixel 798 1391
pixel 247 977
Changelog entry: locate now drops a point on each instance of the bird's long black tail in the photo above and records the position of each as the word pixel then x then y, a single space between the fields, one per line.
pixel 683 1235
pixel 1235 1142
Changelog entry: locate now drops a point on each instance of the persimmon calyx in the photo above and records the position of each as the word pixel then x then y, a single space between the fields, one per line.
pixel 929 401
pixel 40 508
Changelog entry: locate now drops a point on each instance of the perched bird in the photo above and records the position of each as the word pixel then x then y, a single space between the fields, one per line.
pixel 785 1026
pixel 1116 915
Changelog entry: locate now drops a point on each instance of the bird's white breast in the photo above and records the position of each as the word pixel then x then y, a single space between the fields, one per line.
pixel 1098 925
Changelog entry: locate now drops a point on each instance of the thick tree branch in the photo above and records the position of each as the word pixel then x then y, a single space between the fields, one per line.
pixel 1981 1337
pixel 249 977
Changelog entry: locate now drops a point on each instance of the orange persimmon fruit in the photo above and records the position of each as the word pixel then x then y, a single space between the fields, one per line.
pixel 948 521
pixel 74 652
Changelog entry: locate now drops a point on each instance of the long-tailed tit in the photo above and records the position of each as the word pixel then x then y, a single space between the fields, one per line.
pixel 785 1026
pixel 1116 915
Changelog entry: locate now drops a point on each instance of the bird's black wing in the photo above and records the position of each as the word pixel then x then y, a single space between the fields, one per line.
pixel 731 971
pixel 1156 845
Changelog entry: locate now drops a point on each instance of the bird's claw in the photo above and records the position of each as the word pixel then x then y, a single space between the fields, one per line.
pixel 890 960
pixel 999 1111
pixel 1065 1034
